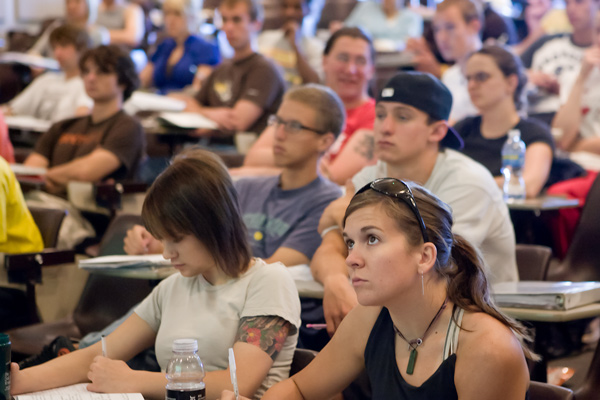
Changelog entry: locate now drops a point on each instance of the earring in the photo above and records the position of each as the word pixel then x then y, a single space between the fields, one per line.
pixel 422 284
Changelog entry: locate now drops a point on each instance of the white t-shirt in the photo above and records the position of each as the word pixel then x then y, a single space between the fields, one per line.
pixel 478 209
pixel 52 97
pixel 273 44
pixel 181 307
pixel 456 82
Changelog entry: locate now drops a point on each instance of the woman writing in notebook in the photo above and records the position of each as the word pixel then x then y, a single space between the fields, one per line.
pixel 425 327
pixel 221 297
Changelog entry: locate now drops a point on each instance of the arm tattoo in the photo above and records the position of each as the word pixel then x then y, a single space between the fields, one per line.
pixel 265 332
pixel 366 147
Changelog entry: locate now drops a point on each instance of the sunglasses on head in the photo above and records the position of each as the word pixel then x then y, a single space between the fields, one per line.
pixel 397 189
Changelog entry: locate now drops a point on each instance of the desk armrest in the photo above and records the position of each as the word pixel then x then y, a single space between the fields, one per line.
pixel 27 267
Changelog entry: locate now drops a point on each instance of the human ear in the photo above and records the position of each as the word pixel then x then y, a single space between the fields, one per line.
pixel 428 257
pixel 325 142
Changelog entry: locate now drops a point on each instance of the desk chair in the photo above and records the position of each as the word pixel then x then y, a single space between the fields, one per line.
pixel 533 261
pixel 546 391
pixel 590 389
pixel 104 299
pixel 302 357
pixel 581 262
pixel 26 268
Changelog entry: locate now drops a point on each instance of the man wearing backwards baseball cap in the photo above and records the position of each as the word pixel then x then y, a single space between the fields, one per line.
pixel 413 142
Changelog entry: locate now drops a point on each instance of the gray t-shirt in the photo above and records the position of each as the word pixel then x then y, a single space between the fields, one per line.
pixel 478 209
pixel 284 218
pixel 181 307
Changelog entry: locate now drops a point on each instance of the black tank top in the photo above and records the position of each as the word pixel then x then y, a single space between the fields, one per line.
pixel 386 380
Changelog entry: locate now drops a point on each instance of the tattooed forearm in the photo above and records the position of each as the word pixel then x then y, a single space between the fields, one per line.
pixel 266 332
pixel 366 147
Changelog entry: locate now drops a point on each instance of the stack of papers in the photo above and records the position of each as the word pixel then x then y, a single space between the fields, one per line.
pixel 77 392
pixel 546 295
pixel 24 170
pixel 188 120
pixel 27 123
pixel 113 262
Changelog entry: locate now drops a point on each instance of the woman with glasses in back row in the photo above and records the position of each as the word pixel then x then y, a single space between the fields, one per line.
pixel 426 327
pixel 496 79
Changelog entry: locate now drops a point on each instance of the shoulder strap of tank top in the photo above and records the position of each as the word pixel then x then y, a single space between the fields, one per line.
pixel 453 330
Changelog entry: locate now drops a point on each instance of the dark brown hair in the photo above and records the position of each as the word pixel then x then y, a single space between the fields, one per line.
pixel 469 9
pixel 195 196
pixel 353 32
pixel 70 35
pixel 458 262
pixel 113 59
pixel 254 8
pixel 509 64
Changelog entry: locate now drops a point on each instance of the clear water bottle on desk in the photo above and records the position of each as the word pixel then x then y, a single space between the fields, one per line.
pixel 513 161
pixel 185 372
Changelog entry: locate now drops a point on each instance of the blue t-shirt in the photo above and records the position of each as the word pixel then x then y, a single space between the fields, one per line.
pixel 197 51
pixel 288 218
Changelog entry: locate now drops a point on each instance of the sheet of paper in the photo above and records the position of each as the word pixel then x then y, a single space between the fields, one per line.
pixel 27 123
pixel 143 101
pixel 188 120
pixel 20 169
pixel 77 392
pixel 124 261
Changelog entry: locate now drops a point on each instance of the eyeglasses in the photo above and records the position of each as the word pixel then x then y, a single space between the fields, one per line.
pixel 399 190
pixel 478 77
pixel 292 127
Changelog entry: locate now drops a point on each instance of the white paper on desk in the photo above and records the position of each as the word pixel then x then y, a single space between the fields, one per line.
pixel 29 59
pixel 124 261
pixel 77 392
pixel 20 169
pixel 188 120
pixel 27 123
pixel 144 101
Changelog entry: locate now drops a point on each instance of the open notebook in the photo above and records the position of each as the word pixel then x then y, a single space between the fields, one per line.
pixel 156 260
pixel 77 392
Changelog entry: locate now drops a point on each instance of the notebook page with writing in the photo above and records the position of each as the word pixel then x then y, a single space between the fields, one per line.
pixel 77 392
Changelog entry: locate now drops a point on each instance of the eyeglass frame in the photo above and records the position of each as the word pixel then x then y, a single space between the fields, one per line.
pixel 275 120
pixel 478 77
pixel 405 194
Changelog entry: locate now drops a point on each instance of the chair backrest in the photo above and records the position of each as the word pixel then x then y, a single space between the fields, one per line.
pixel 581 262
pixel 48 221
pixel 590 388
pixel 335 10
pixel 533 261
pixel 107 298
pixel 546 391
pixel 302 357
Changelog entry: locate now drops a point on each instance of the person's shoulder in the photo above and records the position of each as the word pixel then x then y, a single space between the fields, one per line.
pixel 262 272
pixel 256 183
pixel 464 126
pixel 198 43
pixel 550 41
pixel 126 119
pixel 458 169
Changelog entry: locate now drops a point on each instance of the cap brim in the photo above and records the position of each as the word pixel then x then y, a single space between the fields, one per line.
pixel 452 140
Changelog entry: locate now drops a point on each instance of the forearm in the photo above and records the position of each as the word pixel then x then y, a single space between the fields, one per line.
pixel 76 170
pixel 286 389
pixel 568 117
pixel 151 385
pixel 329 261
pixel 591 145
pixel 307 73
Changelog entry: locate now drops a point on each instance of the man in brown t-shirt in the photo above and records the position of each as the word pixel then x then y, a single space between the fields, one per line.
pixel 244 91
pixel 106 144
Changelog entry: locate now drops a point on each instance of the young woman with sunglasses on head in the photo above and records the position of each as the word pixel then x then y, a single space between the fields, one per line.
pixel 496 79
pixel 425 327
pixel 221 296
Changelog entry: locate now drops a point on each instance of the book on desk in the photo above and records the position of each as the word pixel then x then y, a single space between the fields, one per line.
pixel 546 295
pixel 77 392
pixel 124 261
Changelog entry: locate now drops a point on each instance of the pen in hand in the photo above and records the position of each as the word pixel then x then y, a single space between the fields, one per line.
pixel 232 373
pixel 103 346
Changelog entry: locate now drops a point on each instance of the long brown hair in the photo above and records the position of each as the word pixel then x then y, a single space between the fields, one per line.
pixel 195 196
pixel 458 262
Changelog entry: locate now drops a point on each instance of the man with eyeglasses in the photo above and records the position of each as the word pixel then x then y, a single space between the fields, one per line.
pixel 413 142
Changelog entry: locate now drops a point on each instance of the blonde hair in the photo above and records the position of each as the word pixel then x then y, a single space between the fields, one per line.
pixel 190 9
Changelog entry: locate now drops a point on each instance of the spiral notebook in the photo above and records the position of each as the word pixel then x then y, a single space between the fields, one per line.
pixel 546 295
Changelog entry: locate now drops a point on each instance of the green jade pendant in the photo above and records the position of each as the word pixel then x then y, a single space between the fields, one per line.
pixel 411 361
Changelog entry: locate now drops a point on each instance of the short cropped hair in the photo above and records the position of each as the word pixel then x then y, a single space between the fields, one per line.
pixel 329 109
pixel 255 10
pixel 195 196
pixel 353 32
pixel 113 59
pixel 469 9
pixel 70 35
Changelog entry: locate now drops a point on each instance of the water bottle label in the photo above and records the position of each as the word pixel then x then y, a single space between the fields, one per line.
pixel 199 394
pixel 513 160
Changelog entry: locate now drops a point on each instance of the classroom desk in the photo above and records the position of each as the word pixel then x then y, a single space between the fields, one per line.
pixel 149 273
pixel 543 203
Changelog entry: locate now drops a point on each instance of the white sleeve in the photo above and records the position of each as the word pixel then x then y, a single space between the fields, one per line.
pixel 26 102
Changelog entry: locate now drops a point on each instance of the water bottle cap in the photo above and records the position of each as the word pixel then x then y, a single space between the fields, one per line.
pixel 185 345
pixel 4 339
pixel 514 132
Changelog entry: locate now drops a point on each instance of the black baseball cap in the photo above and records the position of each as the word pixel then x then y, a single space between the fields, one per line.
pixel 426 93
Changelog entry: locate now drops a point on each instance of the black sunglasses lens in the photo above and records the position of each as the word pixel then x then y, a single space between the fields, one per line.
pixel 390 186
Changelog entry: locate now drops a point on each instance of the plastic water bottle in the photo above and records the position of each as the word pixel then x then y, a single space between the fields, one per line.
pixel 513 160
pixel 185 372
